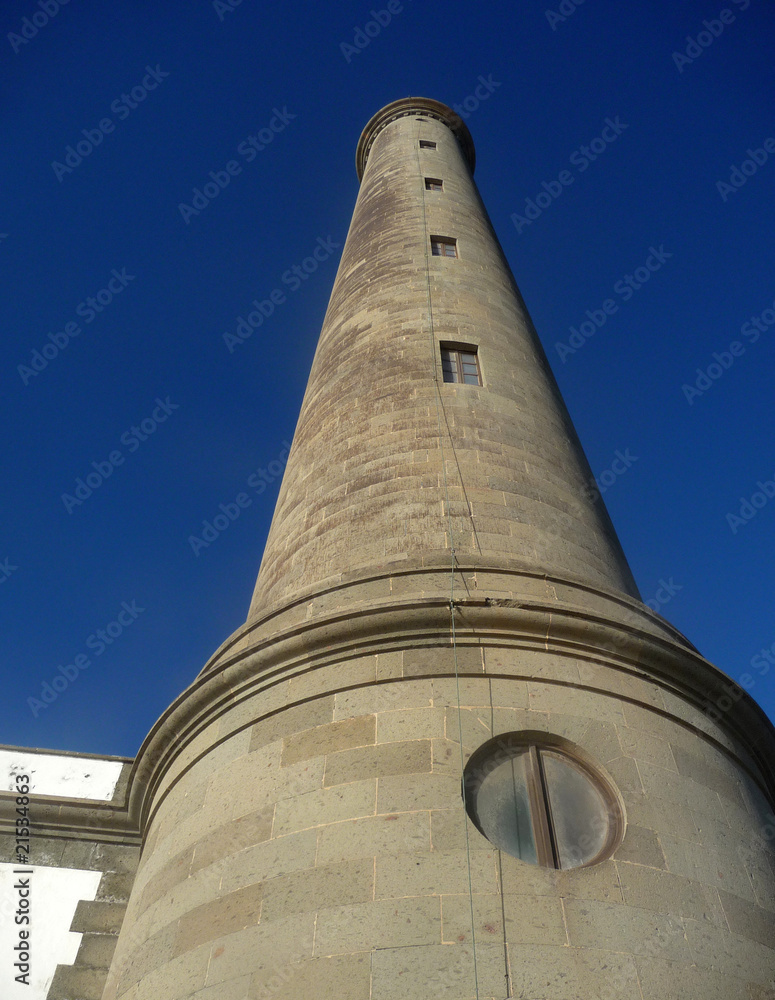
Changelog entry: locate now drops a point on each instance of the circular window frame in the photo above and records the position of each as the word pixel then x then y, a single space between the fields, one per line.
pixel 495 751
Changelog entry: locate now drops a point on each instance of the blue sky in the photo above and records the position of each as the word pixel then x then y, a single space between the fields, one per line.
pixel 637 133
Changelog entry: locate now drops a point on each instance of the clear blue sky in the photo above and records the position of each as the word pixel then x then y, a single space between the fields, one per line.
pixel 183 87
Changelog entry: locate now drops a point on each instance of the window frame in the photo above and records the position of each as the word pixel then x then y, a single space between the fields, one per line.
pixel 501 748
pixel 427 144
pixel 434 184
pixel 458 349
pixel 443 242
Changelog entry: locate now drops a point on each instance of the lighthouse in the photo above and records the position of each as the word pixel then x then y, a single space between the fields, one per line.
pixel 450 754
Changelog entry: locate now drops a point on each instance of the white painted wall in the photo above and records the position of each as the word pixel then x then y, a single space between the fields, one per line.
pixel 54 895
pixel 54 892
pixel 60 774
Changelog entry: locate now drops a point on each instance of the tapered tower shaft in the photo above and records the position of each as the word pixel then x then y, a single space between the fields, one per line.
pixel 389 462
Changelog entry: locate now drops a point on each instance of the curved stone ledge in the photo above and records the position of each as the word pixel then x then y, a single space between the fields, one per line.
pixel 264 658
pixel 72 819
pixel 498 582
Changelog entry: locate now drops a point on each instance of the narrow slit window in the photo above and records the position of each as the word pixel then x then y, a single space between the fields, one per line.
pixel 460 364
pixel 434 184
pixel 427 144
pixel 443 246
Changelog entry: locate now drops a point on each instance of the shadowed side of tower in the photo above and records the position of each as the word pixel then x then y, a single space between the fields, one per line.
pixel 441 599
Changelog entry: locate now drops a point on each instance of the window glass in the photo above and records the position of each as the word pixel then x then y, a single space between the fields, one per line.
pixel 579 812
pixel 503 809
pixel 460 366
pixel 443 246
pixel 533 796
pixel 449 365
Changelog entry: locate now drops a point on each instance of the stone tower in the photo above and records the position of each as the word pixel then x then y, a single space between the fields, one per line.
pixel 450 754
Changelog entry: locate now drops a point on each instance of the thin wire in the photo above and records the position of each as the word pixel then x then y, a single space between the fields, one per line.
pixel 439 405
pixel 465 804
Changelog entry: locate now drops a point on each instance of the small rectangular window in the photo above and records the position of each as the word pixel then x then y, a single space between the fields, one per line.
pixel 426 144
pixel 433 184
pixel 461 364
pixel 443 246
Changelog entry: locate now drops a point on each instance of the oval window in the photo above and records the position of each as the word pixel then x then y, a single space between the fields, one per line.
pixel 538 799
